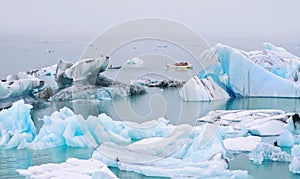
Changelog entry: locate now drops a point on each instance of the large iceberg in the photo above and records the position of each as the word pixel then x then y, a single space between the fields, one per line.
pixel 272 72
pixel 72 168
pixel 186 152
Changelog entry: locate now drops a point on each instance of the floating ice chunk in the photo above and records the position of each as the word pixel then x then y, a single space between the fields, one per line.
pixel 265 151
pixel 16 126
pixel 64 128
pixel 185 152
pixel 85 71
pixel 135 61
pixel 19 84
pixel 236 123
pixel 290 136
pixel 72 168
pixel 294 166
pixel 286 139
pixel 269 128
pixel 202 90
pixel 242 143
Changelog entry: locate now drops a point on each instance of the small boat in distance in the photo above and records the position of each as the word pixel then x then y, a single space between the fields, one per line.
pixel 180 65
pixel 115 67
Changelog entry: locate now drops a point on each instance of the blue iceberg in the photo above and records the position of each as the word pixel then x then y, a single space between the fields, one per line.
pixel 16 126
pixel 272 72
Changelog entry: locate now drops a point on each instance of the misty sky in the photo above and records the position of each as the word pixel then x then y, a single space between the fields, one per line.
pixel 268 18
pixel 234 22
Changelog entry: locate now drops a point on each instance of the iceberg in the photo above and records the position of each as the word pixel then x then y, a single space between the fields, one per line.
pixel 16 126
pixel 202 90
pixel 273 72
pixel 185 152
pixel 135 61
pixel 265 151
pixel 19 84
pixel 237 123
pixel 64 128
pixel 72 168
pixel 294 166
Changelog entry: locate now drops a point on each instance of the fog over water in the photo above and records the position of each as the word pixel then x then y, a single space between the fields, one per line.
pixel 35 33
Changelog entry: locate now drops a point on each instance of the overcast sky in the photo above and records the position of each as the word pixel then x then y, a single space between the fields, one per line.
pixel 238 23
pixel 240 18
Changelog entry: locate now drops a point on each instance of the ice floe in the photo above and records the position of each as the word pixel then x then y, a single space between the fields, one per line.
pixel 235 123
pixel 135 61
pixel 19 84
pixel 265 151
pixel 186 152
pixel 242 143
pixel 72 168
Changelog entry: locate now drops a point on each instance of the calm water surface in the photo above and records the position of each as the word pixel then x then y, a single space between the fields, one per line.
pixel 20 159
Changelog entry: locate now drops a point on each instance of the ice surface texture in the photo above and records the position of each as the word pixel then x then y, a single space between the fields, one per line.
pixel 186 152
pixel 265 151
pixel 15 85
pixel 16 126
pixel 72 168
pixel 295 162
pixel 273 72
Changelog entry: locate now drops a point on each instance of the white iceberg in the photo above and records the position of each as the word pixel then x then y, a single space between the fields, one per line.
pixel 135 61
pixel 273 72
pixel 72 168
pixel 242 143
pixel 295 162
pixel 202 90
pixel 265 151
pixel 237 123
pixel 186 152
pixel 86 70
pixel 15 85
pixel 16 126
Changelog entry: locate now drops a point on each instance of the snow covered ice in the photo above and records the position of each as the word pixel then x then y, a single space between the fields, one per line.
pixel 237 123
pixel 186 152
pixel 72 168
pixel 19 84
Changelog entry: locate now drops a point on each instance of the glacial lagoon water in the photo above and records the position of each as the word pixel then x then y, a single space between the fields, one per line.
pixel 13 159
